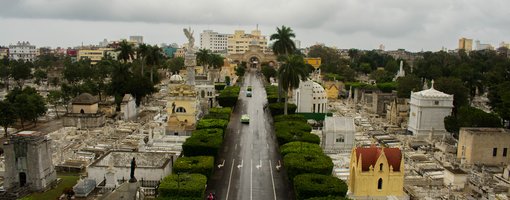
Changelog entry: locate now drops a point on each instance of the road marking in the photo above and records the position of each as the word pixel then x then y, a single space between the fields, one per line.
pixel 238 131
pixel 235 148
pixel 241 165
pixel 251 179
pixel 267 145
pixel 259 165
pixel 230 178
pixel 221 165
pixel 272 179
pixel 251 146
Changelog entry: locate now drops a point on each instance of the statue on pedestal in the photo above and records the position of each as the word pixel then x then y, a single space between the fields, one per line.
pixel 191 40
pixel 132 178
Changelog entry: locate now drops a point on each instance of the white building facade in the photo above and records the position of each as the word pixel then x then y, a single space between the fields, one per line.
pixel 22 51
pixel 338 134
pixel 213 41
pixel 310 97
pixel 428 108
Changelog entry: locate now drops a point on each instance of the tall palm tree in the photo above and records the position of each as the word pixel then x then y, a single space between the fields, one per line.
pixel 291 73
pixel 204 58
pixel 283 44
pixel 141 53
pixel 154 58
pixel 126 51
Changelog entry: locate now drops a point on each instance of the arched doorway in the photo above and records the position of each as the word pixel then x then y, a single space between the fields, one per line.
pixel 254 62
pixel 22 179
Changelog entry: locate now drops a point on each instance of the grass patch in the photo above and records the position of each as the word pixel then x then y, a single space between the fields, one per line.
pixel 67 181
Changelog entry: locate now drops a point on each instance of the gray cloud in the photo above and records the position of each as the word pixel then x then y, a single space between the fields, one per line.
pixel 348 23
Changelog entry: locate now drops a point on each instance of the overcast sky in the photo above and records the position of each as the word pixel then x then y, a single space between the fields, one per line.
pixel 362 24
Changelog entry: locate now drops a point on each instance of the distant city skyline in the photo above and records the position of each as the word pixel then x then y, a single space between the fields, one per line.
pixel 413 26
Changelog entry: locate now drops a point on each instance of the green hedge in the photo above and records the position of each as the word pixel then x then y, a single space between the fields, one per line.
pixel 293 117
pixel 212 123
pixel 316 185
pixel 286 136
pixel 219 113
pixel 298 163
pixel 278 108
pixel 272 94
pixel 184 186
pixel 202 144
pixel 194 165
pixel 209 131
pixel 300 147
pixel 289 131
pixel 228 96
pixel 219 86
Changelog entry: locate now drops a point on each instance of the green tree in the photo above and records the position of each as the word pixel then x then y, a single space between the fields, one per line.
pixel 121 75
pixel 5 71
pixel 283 45
pixel 407 84
pixel 455 86
pixel 141 53
pixel 468 116
pixel 126 51
pixel 174 65
pixel 227 80
pixel 27 103
pixel 203 57
pixel 381 76
pixel 216 61
pixel 39 75
pixel 7 115
pixel 20 71
pixel 154 59
pixel 290 74
pixel 241 69
pixel 55 98
pixel 499 96
pixel 268 72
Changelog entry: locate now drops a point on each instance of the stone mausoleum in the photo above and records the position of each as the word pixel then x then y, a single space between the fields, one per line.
pixel 84 113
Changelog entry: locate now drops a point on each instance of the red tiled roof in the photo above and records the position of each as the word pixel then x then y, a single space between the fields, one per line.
pixel 371 154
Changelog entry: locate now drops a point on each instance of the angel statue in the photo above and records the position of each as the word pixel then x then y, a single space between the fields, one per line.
pixel 191 40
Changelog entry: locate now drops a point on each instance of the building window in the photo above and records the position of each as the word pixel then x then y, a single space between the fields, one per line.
pixel 379 184
pixel 380 167
pixel 436 102
pixel 340 138
pixel 504 152
pixel 313 110
pixel 494 152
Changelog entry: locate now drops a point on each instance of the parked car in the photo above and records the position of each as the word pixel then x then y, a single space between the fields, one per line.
pixel 248 93
pixel 245 119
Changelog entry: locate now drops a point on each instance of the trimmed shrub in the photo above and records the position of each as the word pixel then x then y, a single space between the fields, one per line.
pixel 219 113
pixel 300 147
pixel 212 123
pixel 293 117
pixel 298 163
pixel 293 125
pixel 194 165
pixel 286 136
pixel 202 144
pixel 219 86
pixel 272 94
pixel 316 185
pixel 228 96
pixel 209 131
pixel 278 108
pixel 182 186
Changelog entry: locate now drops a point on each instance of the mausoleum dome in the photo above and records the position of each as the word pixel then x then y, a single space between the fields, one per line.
pixel 85 99
pixel 176 78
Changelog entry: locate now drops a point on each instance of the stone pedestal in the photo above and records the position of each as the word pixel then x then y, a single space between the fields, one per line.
pixel 190 61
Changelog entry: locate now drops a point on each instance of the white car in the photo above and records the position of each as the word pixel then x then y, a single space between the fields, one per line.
pixel 245 119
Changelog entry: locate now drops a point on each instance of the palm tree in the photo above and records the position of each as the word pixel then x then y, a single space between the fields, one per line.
pixel 204 58
pixel 291 73
pixel 141 53
pixel 283 44
pixel 126 51
pixel 154 58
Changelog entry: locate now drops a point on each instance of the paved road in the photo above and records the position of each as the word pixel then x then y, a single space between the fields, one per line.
pixel 250 153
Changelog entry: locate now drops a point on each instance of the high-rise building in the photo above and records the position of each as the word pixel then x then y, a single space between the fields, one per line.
pixel 480 46
pixel 136 39
pixel 297 43
pixel 213 41
pixel 240 41
pixel 466 44
pixel 22 51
